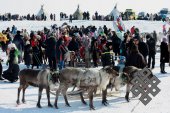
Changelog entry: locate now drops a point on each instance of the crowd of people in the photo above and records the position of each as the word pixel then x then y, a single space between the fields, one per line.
pixel 34 17
pixel 86 16
pixel 62 46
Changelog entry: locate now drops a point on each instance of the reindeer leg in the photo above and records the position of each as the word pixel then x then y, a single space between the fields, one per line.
pixel 127 92
pixel 104 94
pixel 91 100
pixel 66 101
pixel 64 90
pixel 48 97
pixel 82 99
pixel 19 90
pixel 56 98
pixel 39 97
pixel 23 96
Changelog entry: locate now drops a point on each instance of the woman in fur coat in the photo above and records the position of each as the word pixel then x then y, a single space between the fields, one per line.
pixel 11 73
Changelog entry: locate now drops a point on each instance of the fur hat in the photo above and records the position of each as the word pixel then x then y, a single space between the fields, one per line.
pixel 38 37
pixel 12 45
pixel 27 42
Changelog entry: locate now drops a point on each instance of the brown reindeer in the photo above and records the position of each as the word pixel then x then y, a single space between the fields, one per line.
pixel 36 78
pixel 86 80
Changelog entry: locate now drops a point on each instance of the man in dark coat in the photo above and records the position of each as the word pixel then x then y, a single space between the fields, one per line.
pixel 27 54
pixel 18 41
pixel 164 55
pixel 135 58
pixel 152 50
pixel 106 57
pixel 116 44
pixel 73 45
pixel 51 52
pixel 142 46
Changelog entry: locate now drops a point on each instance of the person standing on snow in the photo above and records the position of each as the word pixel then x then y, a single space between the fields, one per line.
pixel 152 50
pixel 27 54
pixel 50 44
pixel 164 58
pixel 135 58
pixel 106 57
pixel 142 46
pixel 19 42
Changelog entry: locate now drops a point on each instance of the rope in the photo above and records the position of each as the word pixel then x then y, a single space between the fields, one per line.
pixel 135 107
pixel 37 59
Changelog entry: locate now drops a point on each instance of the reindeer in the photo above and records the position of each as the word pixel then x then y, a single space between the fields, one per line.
pixel 125 79
pixel 86 80
pixel 36 78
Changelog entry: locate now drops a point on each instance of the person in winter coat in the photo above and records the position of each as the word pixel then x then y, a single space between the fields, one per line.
pixel 35 52
pixel 152 50
pixel 18 41
pixel 155 37
pixel 51 52
pixel 95 52
pixel 11 73
pixel 14 30
pixel 28 54
pixel 142 46
pixel 164 58
pixel 124 46
pixel 106 56
pixel 135 58
pixel 132 30
pixel 3 41
pixel 116 41
pixel 62 51
pixel 1 69
pixel 73 45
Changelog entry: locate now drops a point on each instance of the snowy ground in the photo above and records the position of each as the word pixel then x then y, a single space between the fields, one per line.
pixel 144 26
pixel 159 104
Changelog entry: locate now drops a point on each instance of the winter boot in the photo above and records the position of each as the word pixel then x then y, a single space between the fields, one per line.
pixel 161 67
pixel 164 69
pixel 1 77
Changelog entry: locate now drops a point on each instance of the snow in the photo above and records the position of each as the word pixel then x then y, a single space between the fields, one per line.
pixel 144 26
pixel 117 103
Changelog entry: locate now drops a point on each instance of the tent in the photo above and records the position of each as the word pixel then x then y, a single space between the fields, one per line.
pixel 78 15
pixel 115 13
pixel 41 12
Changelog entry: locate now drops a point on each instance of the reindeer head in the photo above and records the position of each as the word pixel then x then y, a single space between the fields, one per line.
pixel 54 81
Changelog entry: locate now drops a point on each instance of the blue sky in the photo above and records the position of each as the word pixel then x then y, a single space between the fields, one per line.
pixel 69 6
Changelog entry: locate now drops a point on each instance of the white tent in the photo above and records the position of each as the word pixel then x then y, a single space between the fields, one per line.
pixel 41 11
pixel 115 13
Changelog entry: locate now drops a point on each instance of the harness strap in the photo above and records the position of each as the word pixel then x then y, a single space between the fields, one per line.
pixel 100 77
